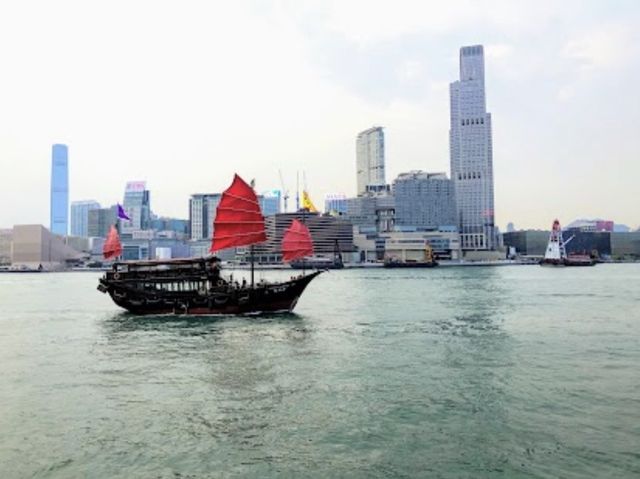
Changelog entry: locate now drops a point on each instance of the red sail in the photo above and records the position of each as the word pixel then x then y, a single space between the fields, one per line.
pixel 239 220
pixel 296 242
pixel 112 247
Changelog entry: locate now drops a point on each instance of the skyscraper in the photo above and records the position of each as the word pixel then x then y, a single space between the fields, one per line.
pixel 335 204
pixel 471 153
pixel 138 207
pixel 202 213
pixel 80 216
pixel 370 161
pixel 270 202
pixel 59 218
pixel 100 220
pixel 424 200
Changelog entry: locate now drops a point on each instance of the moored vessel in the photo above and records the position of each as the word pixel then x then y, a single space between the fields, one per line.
pixel 556 252
pixel 428 261
pixel 197 285
pixel 318 262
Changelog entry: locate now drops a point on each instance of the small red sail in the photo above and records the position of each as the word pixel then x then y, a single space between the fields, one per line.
pixel 239 220
pixel 296 242
pixel 112 247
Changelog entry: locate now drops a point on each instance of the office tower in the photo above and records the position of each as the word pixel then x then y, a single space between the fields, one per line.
pixel 370 161
pixel 202 213
pixel 137 204
pixel 171 225
pixel 59 217
pixel 80 216
pixel 371 213
pixel 270 202
pixel 424 201
pixel 471 153
pixel 100 220
pixel 335 204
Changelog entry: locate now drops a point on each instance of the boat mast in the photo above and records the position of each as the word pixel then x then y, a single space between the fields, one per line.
pixel 304 222
pixel 239 220
pixel 252 266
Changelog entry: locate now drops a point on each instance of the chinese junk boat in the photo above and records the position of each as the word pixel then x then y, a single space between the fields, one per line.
pixel 556 252
pixel 196 285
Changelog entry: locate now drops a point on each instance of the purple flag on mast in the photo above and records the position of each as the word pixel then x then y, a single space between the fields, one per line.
pixel 122 214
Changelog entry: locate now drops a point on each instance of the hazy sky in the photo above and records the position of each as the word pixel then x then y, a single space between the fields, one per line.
pixel 183 94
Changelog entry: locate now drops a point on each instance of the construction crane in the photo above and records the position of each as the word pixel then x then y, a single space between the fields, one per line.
pixel 285 192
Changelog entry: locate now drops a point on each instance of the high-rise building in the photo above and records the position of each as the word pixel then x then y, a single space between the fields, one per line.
pixel 270 202
pixel 100 220
pixel 471 153
pixel 370 161
pixel 138 207
pixel 371 213
pixel 6 236
pixel 171 225
pixel 80 216
pixel 335 204
pixel 424 201
pixel 202 213
pixel 59 223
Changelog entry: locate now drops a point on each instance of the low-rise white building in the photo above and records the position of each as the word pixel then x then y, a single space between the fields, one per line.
pixel 406 245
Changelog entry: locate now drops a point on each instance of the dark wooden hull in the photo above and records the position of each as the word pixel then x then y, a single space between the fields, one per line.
pixel 566 262
pixel 225 300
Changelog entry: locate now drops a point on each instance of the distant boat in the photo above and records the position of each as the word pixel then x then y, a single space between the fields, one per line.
pixel 317 262
pixel 320 262
pixel 428 261
pixel 556 252
pixel 196 285
pixel 22 269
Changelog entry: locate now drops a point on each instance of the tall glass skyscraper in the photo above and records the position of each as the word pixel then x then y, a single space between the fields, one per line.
pixel 59 216
pixel 202 213
pixel 335 204
pixel 270 202
pixel 471 153
pixel 370 161
pixel 80 216
pixel 138 207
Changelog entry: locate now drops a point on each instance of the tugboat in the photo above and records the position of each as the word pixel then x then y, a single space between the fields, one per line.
pixel 428 261
pixel 196 285
pixel 556 252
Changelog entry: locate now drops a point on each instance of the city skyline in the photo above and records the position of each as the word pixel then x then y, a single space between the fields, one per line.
pixel 565 142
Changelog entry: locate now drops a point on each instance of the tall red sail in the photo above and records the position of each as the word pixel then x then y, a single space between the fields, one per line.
pixel 296 242
pixel 112 247
pixel 239 220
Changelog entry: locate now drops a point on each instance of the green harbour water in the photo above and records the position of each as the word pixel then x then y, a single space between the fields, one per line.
pixel 517 371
